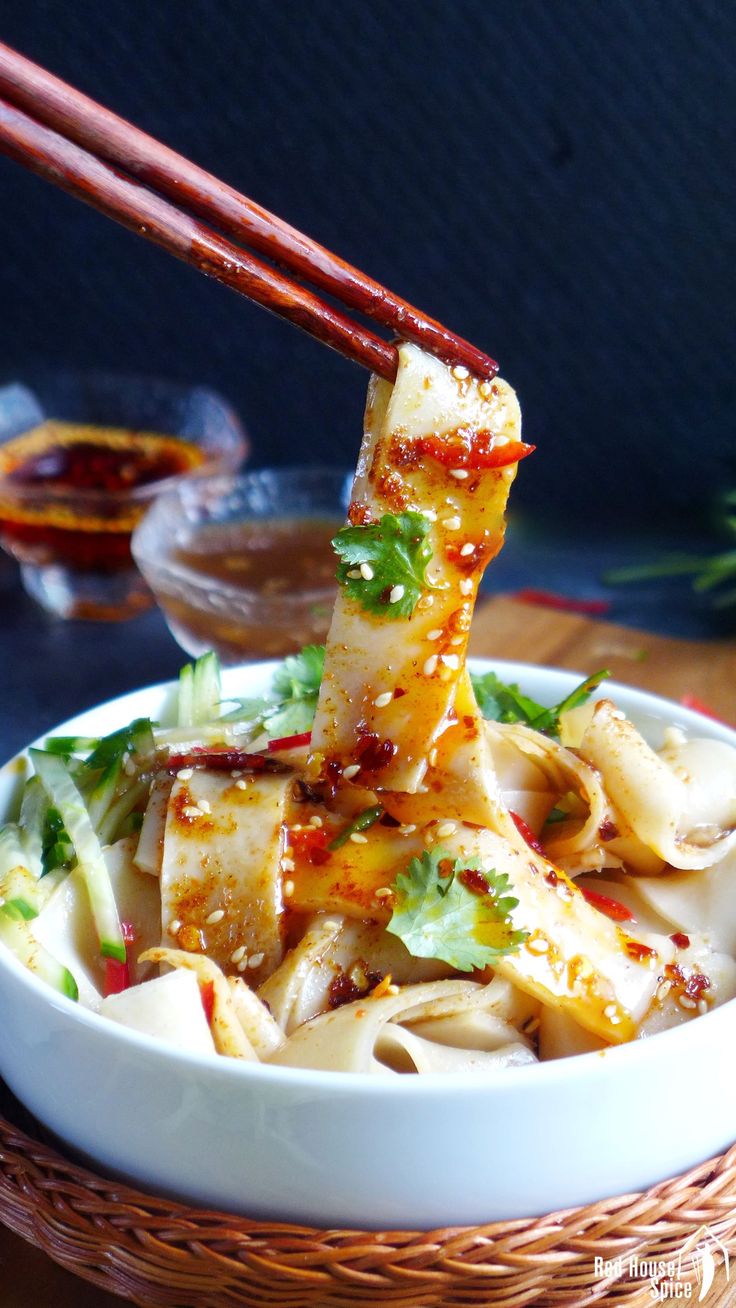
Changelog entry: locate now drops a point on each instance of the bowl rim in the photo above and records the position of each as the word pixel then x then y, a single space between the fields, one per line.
pixel 525 1079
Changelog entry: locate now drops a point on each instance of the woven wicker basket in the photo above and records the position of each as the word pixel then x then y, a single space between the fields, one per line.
pixel 156 1252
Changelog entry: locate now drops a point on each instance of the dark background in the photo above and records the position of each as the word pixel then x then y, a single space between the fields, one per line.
pixel 551 178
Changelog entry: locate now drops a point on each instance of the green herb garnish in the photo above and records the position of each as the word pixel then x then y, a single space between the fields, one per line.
pixel 362 822
pixel 505 703
pixel 438 915
pixel 383 564
pixel 290 707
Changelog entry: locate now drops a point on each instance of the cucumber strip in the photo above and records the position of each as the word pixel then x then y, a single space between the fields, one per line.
pixel 17 935
pixel 101 797
pixel 135 739
pixel 65 796
pixel 67 745
pixel 199 691
pixel 109 829
pixel 185 711
pixel 33 808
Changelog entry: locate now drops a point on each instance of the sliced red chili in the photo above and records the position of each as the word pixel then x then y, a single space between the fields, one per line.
pixel 680 939
pixel 223 760
pixel 525 830
pixel 550 599
pixel 117 977
pixel 475 450
pixel 697 705
pixel 612 908
pixel 291 742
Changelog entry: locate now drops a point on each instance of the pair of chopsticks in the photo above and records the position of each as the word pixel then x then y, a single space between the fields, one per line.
pixel 61 134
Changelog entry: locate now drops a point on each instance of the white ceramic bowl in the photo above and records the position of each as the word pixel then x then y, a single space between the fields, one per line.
pixel 341 1149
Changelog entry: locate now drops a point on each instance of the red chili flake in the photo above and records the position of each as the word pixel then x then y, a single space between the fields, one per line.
pixel 565 603
pixel 207 995
pixel 551 877
pixel 398 692
pixel 344 990
pixel 291 742
pixel 371 752
pixel 608 830
pixel 359 514
pixel 474 880
pixel 680 939
pixel 467 448
pixel 612 908
pixel 691 983
pixel 697 705
pixel 310 844
pixel 526 831
pixel 638 951
pixel 224 760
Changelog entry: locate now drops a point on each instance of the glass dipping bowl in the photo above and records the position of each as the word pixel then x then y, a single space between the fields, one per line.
pixel 67 442
pixel 243 565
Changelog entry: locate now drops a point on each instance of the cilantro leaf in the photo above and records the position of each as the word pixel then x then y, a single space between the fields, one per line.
pixel 438 915
pixel 506 703
pixel 289 708
pixel 394 554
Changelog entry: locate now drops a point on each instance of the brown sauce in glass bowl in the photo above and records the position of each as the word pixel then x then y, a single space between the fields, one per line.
pixel 286 569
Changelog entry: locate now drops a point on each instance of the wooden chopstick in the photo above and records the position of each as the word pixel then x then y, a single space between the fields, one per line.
pixel 71 140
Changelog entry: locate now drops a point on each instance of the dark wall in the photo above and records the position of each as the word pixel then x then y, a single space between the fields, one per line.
pixel 552 178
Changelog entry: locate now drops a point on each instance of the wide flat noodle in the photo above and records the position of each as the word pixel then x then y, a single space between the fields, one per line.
pixel 423 656
pixel 650 794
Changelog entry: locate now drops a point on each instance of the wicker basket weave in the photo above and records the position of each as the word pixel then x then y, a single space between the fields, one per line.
pixel 159 1253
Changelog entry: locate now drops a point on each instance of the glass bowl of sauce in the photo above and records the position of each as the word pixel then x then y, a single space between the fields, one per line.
pixel 81 459
pixel 244 565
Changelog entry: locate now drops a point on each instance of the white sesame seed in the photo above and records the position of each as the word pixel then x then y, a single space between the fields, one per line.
pixel 381 701
pixel 702 1007
pixel 451 661
pixel 129 768
pixel 366 572
pixel 288 889
pixel 351 771
pixel 429 514
pixel 235 774
pixel 241 785
pixel 354 574
pixel 396 593
pixel 434 634
pixel 315 820
pixel 452 523
pixel 425 602
pixel 185 774
pixel 457 640
pixel 610 1010
pixel 287 865
pixel 204 806
pixel 391 989
pixel 485 389
pixel 358 838
pixel 467 549
pixel 430 667
pixel 215 916
pixel 174 927
pixel 615 1020
pixel 538 945
pixel 237 954
pixel 466 586
pixel 564 892
pixel 192 811
pixel 255 960
pixel 686 1002
pixel 663 989
pixel 446 829
pixel 242 964
pixel 383 892
pixel 460 372
pixel 460 473
pixel 432 757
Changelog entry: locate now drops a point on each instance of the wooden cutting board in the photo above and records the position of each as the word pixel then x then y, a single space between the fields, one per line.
pixel 503 628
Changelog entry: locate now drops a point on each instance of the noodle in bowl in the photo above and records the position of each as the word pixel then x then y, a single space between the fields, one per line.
pixel 337 1148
